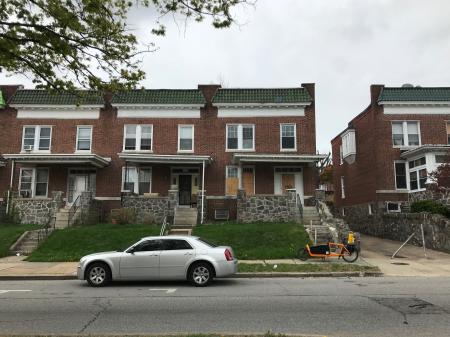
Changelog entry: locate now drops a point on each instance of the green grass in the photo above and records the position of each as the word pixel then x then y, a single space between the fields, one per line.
pixel 303 268
pixel 71 244
pixel 257 240
pixel 10 233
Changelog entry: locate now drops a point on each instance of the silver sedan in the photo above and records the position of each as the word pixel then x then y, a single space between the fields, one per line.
pixel 160 258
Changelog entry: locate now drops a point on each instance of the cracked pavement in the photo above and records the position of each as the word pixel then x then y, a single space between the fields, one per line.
pixel 388 306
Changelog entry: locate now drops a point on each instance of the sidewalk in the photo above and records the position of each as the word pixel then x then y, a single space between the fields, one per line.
pixel 410 261
pixel 14 267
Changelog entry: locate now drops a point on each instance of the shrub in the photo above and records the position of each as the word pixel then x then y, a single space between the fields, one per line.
pixel 431 207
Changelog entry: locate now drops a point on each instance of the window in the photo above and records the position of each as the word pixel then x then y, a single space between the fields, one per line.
pixel 288 137
pixel 36 138
pixel 84 138
pixel 341 155
pixel 370 209
pixel 448 133
pixel 400 175
pixel 342 188
pixel 405 133
pixel 148 246
pixel 418 179
pixel 240 137
pixel 33 182
pixel 417 162
pixel 393 207
pixel 138 137
pixel 232 180
pixel 176 245
pixel 137 180
pixel 186 138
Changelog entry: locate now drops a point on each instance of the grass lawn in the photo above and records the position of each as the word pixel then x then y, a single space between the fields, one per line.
pixel 303 268
pixel 257 240
pixel 71 244
pixel 10 233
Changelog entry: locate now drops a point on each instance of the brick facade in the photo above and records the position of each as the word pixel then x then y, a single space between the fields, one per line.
pixel 370 179
pixel 108 142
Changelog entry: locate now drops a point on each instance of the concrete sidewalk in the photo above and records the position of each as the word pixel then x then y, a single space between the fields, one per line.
pixel 15 267
pixel 410 261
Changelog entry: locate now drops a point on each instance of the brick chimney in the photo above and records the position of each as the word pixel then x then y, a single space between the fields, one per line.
pixel 208 91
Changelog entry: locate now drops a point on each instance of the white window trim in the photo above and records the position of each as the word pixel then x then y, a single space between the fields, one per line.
pixel 342 188
pixel 226 177
pixel 33 181
pixel 295 138
pixel 341 155
pixel 240 138
pixel 399 209
pixel 370 209
pixel 406 172
pixel 138 137
pixel 90 139
pixel 405 134
pixel 192 135
pixel 136 183
pixel 37 131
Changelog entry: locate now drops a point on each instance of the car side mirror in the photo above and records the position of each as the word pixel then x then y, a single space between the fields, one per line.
pixel 131 251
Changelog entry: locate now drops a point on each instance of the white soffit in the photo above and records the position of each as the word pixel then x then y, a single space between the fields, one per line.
pixel 297 111
pixel 58 112
pixel 422 109
pixel 158 111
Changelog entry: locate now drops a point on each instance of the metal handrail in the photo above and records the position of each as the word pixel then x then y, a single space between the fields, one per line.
pixel 163 227
pixel 47 229
pixel 73 209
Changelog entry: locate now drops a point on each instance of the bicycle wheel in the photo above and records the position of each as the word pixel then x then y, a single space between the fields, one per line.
pixel 350 256
pixel 302 254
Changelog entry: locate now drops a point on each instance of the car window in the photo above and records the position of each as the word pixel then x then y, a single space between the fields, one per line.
pixel 148 246
pixel 209 244
pixel 172 244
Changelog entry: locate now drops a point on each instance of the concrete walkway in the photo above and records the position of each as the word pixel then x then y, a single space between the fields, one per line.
pixel 14 266
pixel 410 261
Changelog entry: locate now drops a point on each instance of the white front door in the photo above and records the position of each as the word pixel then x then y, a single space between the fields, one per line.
pixel 288 178
pixel 80 185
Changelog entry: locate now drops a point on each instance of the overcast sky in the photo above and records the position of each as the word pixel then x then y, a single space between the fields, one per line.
pixel 341 45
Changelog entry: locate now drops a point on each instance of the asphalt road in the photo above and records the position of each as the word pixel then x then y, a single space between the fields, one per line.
pixel 321 306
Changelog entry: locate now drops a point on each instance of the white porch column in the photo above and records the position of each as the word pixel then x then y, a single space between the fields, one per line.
pixel 203 192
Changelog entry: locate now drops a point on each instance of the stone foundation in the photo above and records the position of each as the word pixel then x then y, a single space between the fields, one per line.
pixel 267 208
pixel 147 210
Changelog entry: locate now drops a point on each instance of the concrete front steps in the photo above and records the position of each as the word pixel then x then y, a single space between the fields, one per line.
pixel 184 221
pixel 317 231
pixel 62 218
pixel 310 215
pixel 28 242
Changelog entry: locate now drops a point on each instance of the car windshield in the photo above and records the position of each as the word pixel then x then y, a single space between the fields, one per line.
pixel 208 243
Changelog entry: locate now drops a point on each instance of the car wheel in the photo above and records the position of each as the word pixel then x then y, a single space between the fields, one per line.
pixel 98 274
pixel 200 274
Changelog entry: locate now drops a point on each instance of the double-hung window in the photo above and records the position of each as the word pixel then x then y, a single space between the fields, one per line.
pixel 33 182
pixel 36 138
pixel 186 138
pixel 137 180
pixel 241 137
pixel 417 174
pixel 400 175
pixel 84 138
pixel 138 137
pixel 405 133
pixel 288 137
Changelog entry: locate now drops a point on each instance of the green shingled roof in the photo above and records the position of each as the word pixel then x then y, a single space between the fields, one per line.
pixel 414 94
pixel 43 97
pixel 269 95
pixel 159 96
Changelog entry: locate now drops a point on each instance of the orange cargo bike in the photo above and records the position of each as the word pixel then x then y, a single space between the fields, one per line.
pixel 347 250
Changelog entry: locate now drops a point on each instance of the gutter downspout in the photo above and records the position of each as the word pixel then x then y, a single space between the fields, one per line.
pixel 203 192
pixel 8 197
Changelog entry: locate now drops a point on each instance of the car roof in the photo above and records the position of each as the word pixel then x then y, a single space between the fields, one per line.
pixel 183 237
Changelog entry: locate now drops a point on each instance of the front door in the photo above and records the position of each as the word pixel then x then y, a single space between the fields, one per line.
pixel 248 180
pixel 184 189
pixel 80 185
pixel 287 182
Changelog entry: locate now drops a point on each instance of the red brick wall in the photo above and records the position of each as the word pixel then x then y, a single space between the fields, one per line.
pixel 209 140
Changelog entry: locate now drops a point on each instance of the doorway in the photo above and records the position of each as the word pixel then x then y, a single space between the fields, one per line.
pixel 184 189
pixel 80 180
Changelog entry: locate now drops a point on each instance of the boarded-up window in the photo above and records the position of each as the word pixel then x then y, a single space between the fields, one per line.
pixel 248 180
pixel 232 180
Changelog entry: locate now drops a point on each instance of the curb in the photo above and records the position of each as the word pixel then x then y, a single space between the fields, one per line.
pixel 238 275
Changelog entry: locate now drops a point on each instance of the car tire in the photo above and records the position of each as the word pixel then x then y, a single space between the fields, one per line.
pixel 200 274
pixel 98 274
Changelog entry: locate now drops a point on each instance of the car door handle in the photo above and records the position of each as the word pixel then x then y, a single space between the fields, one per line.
pixel 188 253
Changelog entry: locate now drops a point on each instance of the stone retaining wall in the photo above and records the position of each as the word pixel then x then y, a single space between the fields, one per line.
pixel 36 210
pixel 441 196
pixel 267 208
pixel 398 226
pixel 147 210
